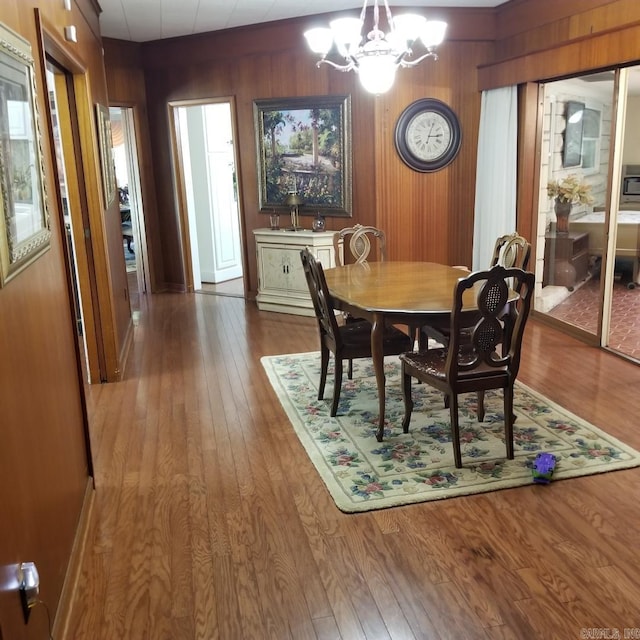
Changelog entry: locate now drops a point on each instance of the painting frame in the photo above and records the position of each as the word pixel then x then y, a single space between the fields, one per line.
pixel 107 163
pixel 304 147
pixel 25 232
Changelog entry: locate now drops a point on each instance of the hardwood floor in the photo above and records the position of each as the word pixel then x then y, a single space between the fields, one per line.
pixel 204 528
pixel 233 287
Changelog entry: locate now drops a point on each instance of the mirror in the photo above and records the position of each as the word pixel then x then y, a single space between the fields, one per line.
pixel 24 224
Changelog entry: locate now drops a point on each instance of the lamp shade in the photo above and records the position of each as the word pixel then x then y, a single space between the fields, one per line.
pixel 432 33
pixel 347 34
pixel 377 73
pixel 407 27
pixel 293 199
pixel 320 40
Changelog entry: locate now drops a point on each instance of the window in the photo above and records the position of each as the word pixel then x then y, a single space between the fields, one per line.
pixel 591 140
pixel 572 148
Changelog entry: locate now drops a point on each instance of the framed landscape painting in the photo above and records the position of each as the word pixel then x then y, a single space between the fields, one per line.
pixel 304 147
pixel 24 224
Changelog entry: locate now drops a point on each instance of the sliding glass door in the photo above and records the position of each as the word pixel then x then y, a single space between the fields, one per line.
pixel 621 328
pixel 588 240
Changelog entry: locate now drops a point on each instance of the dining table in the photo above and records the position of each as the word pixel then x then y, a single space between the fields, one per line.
pixel 397 293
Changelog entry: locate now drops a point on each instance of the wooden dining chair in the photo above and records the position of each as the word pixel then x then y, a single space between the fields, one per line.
pixel 356 242
pixel 486 358
pixel 363 241
pixel 360 240
pixel 346 342
pixel 510 250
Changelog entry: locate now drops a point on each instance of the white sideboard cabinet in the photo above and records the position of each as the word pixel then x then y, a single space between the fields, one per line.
pixel 282 286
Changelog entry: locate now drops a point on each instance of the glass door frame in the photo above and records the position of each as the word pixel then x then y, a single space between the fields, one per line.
pixel 611 206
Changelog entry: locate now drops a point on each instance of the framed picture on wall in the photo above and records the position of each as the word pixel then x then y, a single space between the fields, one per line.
pixel 304 148
pixel 24 224
pixel 572 151
pixel 107 164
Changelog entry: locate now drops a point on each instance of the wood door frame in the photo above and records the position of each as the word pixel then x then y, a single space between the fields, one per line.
pixel 140 222
pixel 180 188
pixel 73 74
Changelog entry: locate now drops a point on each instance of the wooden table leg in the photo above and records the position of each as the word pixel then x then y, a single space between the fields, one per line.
pixel 377 355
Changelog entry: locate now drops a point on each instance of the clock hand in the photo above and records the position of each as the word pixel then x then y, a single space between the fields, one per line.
pixel 435 135
pixel 429 132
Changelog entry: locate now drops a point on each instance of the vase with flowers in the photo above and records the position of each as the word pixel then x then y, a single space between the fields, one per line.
pixel 566 192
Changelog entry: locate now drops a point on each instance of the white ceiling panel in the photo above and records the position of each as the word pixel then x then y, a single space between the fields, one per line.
pixel 143 20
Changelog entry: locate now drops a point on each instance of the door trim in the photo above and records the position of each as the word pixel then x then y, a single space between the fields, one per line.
pixel 180 188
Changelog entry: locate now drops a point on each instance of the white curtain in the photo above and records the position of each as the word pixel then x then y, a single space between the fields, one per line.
pixel 495 210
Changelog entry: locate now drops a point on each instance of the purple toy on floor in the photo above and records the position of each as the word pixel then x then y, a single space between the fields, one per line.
pixel 543 467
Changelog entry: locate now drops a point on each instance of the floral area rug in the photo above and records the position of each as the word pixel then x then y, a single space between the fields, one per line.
pixel 362 474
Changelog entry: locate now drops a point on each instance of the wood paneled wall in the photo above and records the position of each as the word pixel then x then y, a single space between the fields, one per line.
pixel 426 216
pixel 44 461
pixel 546 40
pixel 429 216
pixel 126 88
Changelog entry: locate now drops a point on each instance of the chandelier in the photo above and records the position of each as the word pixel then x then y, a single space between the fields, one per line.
pixel 376 56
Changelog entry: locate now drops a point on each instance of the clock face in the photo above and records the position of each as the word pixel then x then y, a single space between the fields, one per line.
pixel 428 135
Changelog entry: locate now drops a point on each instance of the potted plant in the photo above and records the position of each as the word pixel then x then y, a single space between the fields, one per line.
pixel 565 192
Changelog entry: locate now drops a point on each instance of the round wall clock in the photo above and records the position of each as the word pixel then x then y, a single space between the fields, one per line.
pixel 428 135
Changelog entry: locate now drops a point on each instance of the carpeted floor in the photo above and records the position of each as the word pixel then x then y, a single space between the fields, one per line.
pixel 362 474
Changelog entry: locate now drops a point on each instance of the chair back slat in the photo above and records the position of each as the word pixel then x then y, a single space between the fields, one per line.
pixel 495 339
pixel 359 241
pixel 322 301
pixel 511 250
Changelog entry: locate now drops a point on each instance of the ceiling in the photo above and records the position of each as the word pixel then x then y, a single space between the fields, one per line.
pixel 143 20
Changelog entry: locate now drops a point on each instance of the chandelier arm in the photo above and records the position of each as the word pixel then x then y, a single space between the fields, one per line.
pixel 340 67
pixel 412 63
pixel 389 16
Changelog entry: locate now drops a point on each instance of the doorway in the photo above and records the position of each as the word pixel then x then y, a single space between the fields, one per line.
pixel 208 191
pixel 132 219
pixel 64 124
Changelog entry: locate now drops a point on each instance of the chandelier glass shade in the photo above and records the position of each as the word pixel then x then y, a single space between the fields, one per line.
pixel 375 56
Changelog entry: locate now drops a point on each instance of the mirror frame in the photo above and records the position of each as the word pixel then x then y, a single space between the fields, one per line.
pixel 25 224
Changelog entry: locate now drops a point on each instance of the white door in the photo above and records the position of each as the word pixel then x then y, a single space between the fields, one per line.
pixel 211 193
pixel 227 252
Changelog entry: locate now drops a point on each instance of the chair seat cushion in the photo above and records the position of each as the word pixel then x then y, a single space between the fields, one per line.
pixel 432 363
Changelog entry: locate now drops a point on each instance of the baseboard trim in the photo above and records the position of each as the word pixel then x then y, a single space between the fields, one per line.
pixel 63 612
pixel 126 347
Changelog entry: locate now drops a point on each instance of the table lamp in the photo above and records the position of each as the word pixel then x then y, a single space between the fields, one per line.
pixel 294 200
